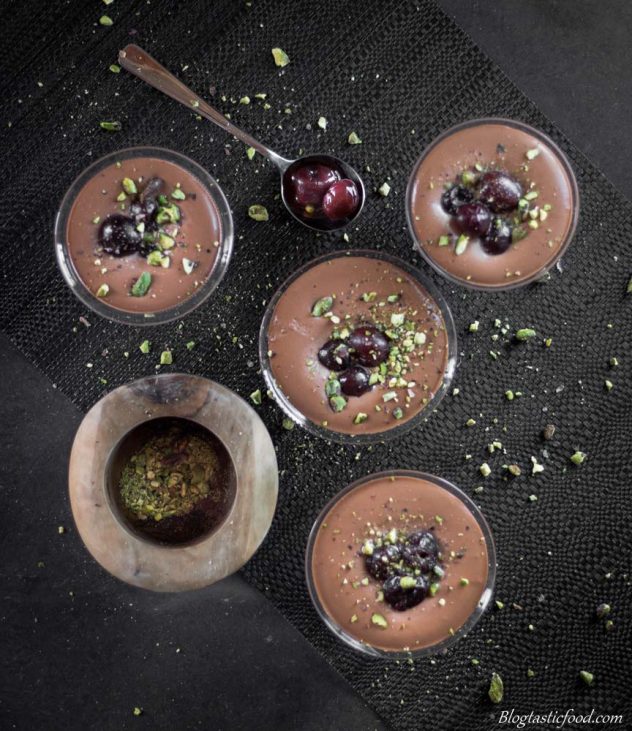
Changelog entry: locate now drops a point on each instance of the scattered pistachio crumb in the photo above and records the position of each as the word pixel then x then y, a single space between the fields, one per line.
pixel 578 457
pixel 258 212
pixel 255 397
pixel 587 677
pixel 144 346
pixel 474 326
pixel 106 20
pixel 166 357
pixel 496 688
pixel 525 333
pixel 353 139
pixel 384 189
pixel 280 57
pixel 287 424
pixel 322 122
pixel 138 711
pixel 485 469
pixel 250 153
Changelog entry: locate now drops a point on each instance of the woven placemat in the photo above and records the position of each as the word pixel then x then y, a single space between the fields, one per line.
pixel 396 74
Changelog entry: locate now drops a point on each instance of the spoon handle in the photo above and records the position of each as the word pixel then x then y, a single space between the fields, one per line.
pixel 139 63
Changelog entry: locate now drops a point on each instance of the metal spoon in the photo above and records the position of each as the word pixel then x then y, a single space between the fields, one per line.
pixel 138 62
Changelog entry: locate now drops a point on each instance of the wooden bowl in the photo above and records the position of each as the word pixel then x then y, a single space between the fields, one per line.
pixel 128 554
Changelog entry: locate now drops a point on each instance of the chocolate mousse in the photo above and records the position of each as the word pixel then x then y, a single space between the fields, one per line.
pixel 356 344
pixel 492 203
pixel 401 563
pixel 143 234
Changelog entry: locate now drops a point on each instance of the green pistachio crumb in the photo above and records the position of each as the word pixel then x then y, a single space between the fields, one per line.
pixel 496 688
pixel 250 153
pixel 587 677
pixel 609 624
pixel 468 177
pixel 384 189
pixel 322 122
pixel 280 57
pixel 609 385
pixel 337 403
pixel 115 68
pixel 470 422
pixel 474 326
pixel 614 362
pixel 129 186
pixel 141 285
pixel 113 126
pixel 461 244
pixel 360 418
pixel 474 661
pixel 514 470
pixel 530 673
pixel 485 469
pixel 244 100
pixel 444 240
pixel 353 139
pixel 577 457
pixel 532 154
pixel 106 20
pixel 629 287
pixel 178 194
pixel 354 618
pixel 137 711
pixel 407 582
pixel 258 212
pixel 509 395
pixel 145 346
pixel 103 290
pixel 398 413
pixel 463 581
pixel 287 424
pixel 190 345
pixel 379 620
pixel 603 610
pixel 166 357
pixel 499 604
pixel 255 397
pixel 322 306
pixel 526 333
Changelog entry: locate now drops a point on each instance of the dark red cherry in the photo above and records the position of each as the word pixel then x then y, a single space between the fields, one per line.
pixel 423 543
pixel 370 345
pixel 498 238
pixel 380 563
pixel 454 197
pixel 474 218
pixel 118 235
pixel 354 381
pixel 341 200
pixel 404 597
pixel 310 182
pixel 335 355
pixel 499 191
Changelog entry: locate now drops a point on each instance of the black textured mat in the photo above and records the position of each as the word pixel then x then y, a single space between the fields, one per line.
pixel 397 74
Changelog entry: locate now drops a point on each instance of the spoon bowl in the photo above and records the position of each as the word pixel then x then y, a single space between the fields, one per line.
pixel 345 194
pixel 316 219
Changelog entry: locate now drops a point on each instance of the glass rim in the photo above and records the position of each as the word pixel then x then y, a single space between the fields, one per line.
pixel 160 317
pixel 570 173
pixel 325 432
pixel 477 612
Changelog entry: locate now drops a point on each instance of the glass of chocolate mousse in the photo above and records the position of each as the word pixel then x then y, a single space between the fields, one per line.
pixel 143 236
pixel 400 563
pixel 357 346
pixel 492 204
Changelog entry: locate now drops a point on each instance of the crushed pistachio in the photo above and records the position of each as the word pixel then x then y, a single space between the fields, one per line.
pixel 384 189
pixel 485 469
pixel 145 346
pixel 280 57
pixel 587 677
pixel 461 244
pixel 166 357
pixel 258 212
pixel 322 306
pixel 379 620
pixel 287 424
pixel 526 333
pixel 603 610
pixel 496 688
pixel 473 328
pixel 578 457
pixel 113 126
pixel 178 194
pixel 103 290
pixel 255 397
pixel 353 139
pixel 250 153
pixel 141 285
pixel 115 68
pixel 360 418
pixel 444 240
pixel 322 122
pixel 106 20
pixel 532 154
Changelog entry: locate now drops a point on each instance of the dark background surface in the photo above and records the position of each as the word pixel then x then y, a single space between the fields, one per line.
pixel 86 659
